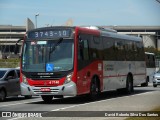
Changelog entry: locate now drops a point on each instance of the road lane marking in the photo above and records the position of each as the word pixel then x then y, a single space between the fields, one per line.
pixel 19 103
pixel 15 118
pixel 100 101
pixel 64 108
pixel 79 104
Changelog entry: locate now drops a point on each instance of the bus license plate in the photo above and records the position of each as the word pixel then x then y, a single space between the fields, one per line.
pixel 45 89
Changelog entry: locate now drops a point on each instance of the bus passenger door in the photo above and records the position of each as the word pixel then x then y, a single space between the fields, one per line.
pixel 83 65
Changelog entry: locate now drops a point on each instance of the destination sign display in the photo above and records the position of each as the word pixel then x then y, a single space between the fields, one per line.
pixel 49 34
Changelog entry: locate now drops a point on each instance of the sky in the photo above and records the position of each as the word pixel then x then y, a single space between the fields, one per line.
pixel 81 12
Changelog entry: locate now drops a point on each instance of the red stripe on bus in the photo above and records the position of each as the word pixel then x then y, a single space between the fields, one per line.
pixel 121 75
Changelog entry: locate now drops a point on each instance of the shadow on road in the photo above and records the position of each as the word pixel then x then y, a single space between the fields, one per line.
pixel 18 98
pixel 83 99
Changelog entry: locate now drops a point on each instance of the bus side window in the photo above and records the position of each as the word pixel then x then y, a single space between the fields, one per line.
pixel 131 50
pixel 119 50
pixel 140 52
pixel 109 49
pixel 95 47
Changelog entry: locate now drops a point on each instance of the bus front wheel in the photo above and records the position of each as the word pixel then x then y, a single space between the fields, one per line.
pixel 28 96
pixel 47 98
pixel 94 89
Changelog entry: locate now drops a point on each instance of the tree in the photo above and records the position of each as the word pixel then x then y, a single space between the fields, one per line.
pixel 152 50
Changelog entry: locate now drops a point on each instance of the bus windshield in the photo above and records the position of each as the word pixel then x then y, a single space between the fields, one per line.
pixel 48 55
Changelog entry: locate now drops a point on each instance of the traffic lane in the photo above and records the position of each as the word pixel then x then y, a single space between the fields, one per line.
pixel 144 101
pixel 103 96
pixel 39 105
pixel 137 102
pixel 74 100
pixel 18 100
pixel 144 98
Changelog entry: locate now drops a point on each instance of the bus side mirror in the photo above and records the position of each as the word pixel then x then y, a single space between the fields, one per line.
pixel 16 46
pixel 16 49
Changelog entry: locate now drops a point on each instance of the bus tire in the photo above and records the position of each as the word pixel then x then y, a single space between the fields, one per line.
pixel 28 96
pixel 94 89
pixel 58 96
pixel 2 95
pixel 47 98
pixel 146 83
pixel 129 85
pixel 154 85
pixel 147 80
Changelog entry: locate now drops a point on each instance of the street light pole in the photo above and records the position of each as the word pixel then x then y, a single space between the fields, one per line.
pixel 36 19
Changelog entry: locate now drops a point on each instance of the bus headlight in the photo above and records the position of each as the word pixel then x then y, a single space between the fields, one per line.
pixel 24 80
pixel 68 78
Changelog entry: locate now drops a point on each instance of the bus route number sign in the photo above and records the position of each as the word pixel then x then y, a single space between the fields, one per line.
pixel 49 34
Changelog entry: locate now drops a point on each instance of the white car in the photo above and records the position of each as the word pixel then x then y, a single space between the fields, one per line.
pixel 156 79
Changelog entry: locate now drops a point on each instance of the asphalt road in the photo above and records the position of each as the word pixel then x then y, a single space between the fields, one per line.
pixel 143 99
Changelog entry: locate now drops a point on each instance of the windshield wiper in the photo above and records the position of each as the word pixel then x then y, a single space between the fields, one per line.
pixel 54 47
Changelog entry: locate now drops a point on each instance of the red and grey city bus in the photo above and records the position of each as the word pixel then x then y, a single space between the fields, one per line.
pixel 70 61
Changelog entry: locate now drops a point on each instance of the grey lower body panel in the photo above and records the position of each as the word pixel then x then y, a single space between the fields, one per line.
pixel 68 89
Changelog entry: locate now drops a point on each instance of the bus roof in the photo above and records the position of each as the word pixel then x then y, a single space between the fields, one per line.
pixel 113 33
pixel 120 36
pixel 104 32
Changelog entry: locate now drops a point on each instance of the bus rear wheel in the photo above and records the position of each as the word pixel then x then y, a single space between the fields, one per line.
pixel 47 98
pixel 146 83
pixel 129 85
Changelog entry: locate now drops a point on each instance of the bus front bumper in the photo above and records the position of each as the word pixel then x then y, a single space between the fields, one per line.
pixel 68 89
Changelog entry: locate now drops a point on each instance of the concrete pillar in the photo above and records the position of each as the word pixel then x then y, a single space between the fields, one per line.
pixel 158 44
pixel 149 41
pixel 29 25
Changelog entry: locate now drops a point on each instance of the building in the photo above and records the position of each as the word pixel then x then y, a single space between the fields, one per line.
pixel 10 34
pixel 149 34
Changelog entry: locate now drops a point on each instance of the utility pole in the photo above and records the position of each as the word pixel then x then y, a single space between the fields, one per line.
pixel 36 15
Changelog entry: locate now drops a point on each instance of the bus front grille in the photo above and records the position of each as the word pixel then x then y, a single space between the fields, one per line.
pixel 52 91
